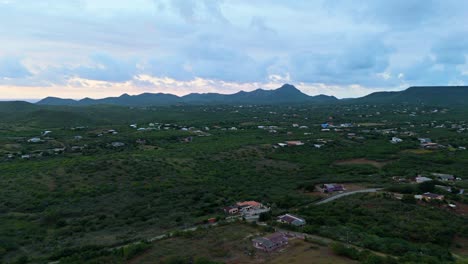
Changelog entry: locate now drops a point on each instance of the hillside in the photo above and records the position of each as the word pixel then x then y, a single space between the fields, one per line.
pixel 285 94
pixel 430 95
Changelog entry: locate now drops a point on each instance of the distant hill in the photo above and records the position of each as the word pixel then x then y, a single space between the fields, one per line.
pixel 430 95
pixel 285 94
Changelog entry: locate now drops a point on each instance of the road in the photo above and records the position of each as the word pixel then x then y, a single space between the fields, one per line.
pixel 338 196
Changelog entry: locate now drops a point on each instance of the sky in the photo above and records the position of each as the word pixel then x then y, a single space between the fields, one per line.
pixel 345 48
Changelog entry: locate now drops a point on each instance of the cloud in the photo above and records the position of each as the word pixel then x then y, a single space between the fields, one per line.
pixel 12 67
pixel 106 68
pixel 345 44
pixel 357 62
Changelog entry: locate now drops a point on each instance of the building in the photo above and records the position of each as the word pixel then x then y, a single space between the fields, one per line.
pixel 34 140
pixel 421 179
pixel 291 220
pixel 424 140
pixel 294 143
pixel 246 208
pixel 271 242
pixel 432 196
pixel 332 187
pixel 444 177
pixel 396 140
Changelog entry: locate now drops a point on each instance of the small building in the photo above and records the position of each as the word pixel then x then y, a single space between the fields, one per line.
pixel 34 140
pixel 332 187
pixel 294 143
pixel 291 220
pixel 396 140
pixel 420 179
pixel 271 242
pixel 444 177
pixel 117 144
pixel 432 196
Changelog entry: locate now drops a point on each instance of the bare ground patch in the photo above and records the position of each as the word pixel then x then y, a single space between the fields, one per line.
pixel 377 164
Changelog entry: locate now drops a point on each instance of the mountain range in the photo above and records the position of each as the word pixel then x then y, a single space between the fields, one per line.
pixel 436 95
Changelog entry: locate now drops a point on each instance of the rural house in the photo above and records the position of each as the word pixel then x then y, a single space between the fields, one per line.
pixel 432 196
pixel 271 242
pixel 444 177
pixel 291 220
pixel 420 179
pixel 294 143
pixel 332 187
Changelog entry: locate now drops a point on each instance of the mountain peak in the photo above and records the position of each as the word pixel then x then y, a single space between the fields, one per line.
pixel 288 87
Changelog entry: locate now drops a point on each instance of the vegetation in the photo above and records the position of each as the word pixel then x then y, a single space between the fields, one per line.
pixel 91 203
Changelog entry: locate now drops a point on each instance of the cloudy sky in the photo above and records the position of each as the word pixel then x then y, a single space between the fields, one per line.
pixel 99 48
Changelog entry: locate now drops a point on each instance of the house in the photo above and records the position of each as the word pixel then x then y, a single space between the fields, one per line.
pixel 431 146
pixel 133 125
pixel 421 179
pixel 34 140
pixel 187 139
pixel 432 196
pixel 46 132
pixel 291 220
pixel 271 242
pixel 332 187
pixel 231 209
pixel 117 144
pixel 444 177
pixel 251 208
pixel 424 140
pixel 396 140
pixel 294 143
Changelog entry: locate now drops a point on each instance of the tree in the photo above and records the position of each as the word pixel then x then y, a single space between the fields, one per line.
pixel 409 199
pixel 427 186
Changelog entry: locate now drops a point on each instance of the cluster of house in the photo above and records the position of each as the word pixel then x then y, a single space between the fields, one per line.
pixel 248 209
pixel 277 240
pixel 438 176
pixel 291 143
pixel 36 153
pixel 271 129
pixel 429 197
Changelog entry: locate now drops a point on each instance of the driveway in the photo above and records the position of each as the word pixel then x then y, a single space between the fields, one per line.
pixel 338 196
